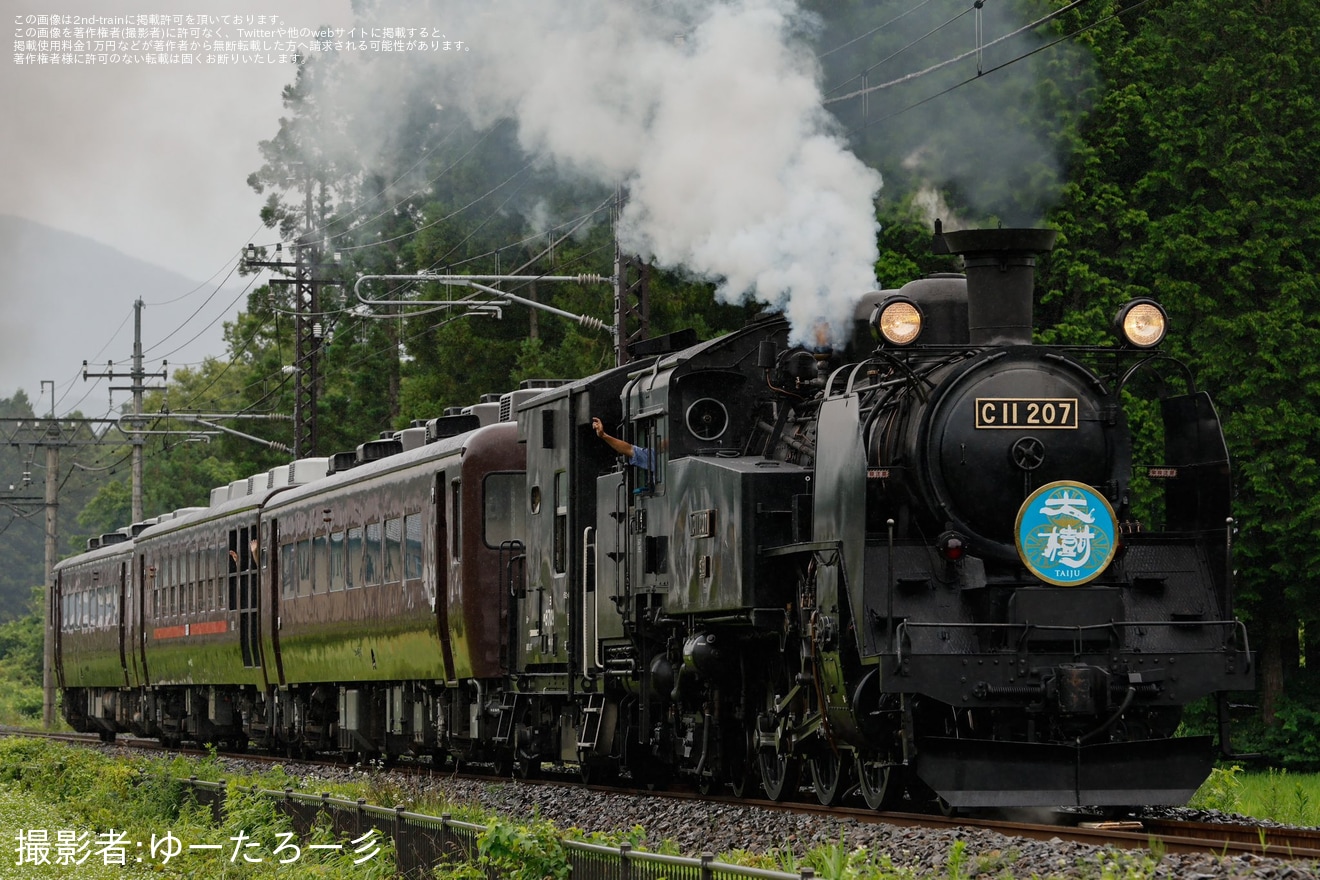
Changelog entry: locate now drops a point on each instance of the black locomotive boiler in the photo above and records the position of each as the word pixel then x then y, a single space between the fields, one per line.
pixel 912 569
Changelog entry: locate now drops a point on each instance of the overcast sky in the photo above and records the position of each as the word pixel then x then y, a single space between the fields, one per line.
pixel 149 159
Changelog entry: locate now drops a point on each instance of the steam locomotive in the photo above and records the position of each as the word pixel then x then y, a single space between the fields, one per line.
pixel 912 572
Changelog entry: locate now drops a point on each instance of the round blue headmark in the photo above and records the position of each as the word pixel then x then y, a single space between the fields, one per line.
pixel 1066 533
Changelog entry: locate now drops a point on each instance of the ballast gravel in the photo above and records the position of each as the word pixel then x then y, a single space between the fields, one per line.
pixel 695 827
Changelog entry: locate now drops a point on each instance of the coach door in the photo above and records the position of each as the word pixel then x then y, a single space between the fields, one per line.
pixel 56 615
pixel 443 575
pixel 243 593
pixel 124 595
pixel 273 578
pixel 138 629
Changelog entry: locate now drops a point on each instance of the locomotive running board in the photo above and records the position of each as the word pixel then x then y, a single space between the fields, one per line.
pixel 982 773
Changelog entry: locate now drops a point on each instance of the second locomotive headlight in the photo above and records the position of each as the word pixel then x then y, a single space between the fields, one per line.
pixel 1142 323
pixel 897 321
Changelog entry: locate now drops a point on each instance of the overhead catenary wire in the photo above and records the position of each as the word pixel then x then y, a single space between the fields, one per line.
pixel 872 31
pixel 963 56
pixel 237 261
pixel 892 55
pixel 1011 61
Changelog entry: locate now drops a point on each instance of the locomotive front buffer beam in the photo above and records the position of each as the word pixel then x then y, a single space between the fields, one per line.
pixel 993 773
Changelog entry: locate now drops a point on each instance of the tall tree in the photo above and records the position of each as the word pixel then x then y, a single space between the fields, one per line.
pixel 1199 184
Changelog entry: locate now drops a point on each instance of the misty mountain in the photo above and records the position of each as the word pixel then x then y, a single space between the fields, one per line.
pixel 65 298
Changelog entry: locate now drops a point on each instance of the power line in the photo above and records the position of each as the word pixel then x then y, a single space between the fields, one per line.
pixel 1041 48
pixel 874 30
pixel 866 73
pixel 976 51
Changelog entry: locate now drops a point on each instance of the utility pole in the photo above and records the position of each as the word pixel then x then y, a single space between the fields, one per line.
pixel 55 434
pixel 308 329
pixel 137 375
pixel 632 294
pixel 52 532
pixel 306 338
pixel 52 502
pixel 50 433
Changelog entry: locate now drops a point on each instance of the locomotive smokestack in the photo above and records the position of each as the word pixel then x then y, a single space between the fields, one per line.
pixel 1001 273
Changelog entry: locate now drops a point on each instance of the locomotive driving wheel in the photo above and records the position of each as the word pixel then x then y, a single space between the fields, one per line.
pixel 879 780
pixel 830 776
pixel 773 740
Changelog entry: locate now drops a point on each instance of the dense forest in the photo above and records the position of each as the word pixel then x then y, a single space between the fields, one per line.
pixel 1171 142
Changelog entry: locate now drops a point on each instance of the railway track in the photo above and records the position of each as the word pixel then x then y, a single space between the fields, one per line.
pixel 1159 834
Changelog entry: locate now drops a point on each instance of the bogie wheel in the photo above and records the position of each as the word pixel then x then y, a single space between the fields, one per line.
pixel 946 809
pixel 738 766
pixel 526 766
pixel 526 754
pixel 880 782
pixel 595 770
pixel 743 771
pixel 830 773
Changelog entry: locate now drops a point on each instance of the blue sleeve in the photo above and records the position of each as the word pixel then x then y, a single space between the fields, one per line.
pixel 642 457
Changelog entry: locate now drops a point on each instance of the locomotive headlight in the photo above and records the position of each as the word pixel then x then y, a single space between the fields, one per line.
pixel 896 321
pixel 1142 323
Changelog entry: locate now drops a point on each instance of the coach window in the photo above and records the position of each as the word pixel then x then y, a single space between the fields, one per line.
pixel 337 562
pixel 190 566
pixel 503 513
pixel 218 577
pixel 304 567
pixel 172 578
pixel 412 546
pixel 288 571
pixel 456 520
pixel 561 521
pixel 371 559
pixel 393 550
pixel 353 571
pixel 320 563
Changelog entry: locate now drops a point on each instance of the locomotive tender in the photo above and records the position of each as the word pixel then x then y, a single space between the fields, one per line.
pixel 913 571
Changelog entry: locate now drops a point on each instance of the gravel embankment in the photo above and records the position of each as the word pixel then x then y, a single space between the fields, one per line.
pixel 697 827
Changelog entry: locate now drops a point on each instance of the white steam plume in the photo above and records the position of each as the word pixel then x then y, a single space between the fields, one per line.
pixel 710 114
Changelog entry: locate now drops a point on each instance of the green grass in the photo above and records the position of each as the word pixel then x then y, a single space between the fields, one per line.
pixel 1291 798
pixel 63 790
pixel 57 789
